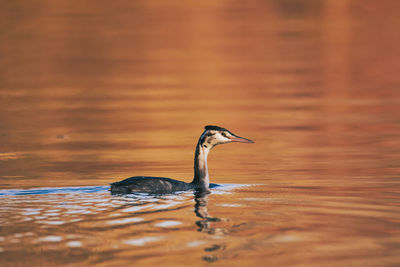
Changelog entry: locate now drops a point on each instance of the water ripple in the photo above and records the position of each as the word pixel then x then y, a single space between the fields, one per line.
pixel 168 224
pixel 142 241
pixel 50 190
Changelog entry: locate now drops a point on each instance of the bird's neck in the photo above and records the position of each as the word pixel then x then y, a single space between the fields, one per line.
pixel 201 178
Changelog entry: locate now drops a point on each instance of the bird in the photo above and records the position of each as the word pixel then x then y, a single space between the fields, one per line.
pixel 211 137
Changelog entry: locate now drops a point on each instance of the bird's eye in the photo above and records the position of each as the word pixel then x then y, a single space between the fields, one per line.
pixel 224 135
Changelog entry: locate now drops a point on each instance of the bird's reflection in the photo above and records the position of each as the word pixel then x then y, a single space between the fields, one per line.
pixel 201 211
pixel 200 208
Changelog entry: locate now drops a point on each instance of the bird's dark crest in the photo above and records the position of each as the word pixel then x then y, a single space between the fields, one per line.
pixel 215 128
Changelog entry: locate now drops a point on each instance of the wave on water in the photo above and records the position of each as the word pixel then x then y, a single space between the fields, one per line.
pixel 218 189
pixel 53 190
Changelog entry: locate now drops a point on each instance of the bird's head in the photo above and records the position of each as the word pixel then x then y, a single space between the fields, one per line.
pixel 215 135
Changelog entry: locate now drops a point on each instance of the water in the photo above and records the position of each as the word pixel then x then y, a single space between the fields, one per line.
pixel 94 92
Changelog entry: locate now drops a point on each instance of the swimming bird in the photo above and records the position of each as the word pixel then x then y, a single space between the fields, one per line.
pixel 211 137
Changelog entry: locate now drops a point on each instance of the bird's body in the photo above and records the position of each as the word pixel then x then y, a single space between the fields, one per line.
pixel 148 184
pixel 212 136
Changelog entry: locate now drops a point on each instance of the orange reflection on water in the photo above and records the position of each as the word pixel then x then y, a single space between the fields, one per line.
pixel 91 93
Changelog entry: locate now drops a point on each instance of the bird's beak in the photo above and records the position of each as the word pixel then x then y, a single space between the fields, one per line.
pixel 236 138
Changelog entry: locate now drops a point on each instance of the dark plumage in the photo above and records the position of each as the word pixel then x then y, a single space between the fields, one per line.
pixel 158 185
pixel 212 136
pixel 215 128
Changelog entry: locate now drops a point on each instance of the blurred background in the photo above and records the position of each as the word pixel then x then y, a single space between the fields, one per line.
pixel 95 91
pixel 92 92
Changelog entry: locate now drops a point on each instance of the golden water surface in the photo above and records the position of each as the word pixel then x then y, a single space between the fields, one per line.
pixel 92 92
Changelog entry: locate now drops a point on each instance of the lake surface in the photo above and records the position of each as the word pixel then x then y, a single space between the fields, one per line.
pixel 94 92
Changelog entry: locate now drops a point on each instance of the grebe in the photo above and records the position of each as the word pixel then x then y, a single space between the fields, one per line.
pixel 212 136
